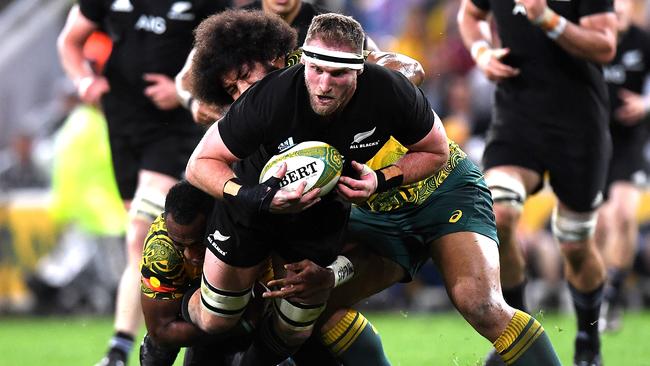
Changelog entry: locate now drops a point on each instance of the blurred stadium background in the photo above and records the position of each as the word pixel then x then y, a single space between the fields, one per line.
pixel 61 220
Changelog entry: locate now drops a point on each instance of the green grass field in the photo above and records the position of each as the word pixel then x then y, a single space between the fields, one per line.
pixel 409 339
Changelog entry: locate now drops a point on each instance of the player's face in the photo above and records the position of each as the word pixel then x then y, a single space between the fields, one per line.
pixel 188 238
pixel 623 9
pixel 235 82
pixel 281 7
pixel 330 88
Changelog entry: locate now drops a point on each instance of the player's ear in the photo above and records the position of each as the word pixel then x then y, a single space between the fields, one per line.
pixel 302 59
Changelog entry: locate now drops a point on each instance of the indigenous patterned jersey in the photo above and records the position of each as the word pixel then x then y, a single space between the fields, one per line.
pixel 165 273
pixel 409 194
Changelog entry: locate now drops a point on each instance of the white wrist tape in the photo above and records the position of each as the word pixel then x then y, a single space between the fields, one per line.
pixel 482 52
pixel 552 23
pixel 343 270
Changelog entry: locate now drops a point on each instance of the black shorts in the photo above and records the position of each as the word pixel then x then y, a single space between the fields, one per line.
pixel 628 160
pixel 145 138
pixel 576 159
pixel 316 234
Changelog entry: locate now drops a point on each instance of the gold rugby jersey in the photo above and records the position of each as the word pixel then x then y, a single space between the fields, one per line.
pixel 165 273
pixel 412 194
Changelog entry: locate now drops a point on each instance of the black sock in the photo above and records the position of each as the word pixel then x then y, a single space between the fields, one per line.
pixel 615 279
pixel 587 306
pixel 514 296
pixel 267 347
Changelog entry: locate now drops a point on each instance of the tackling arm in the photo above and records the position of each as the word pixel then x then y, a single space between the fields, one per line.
pixel 165 326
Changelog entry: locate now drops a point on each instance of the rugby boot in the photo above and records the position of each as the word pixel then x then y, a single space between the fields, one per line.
pixel 114 357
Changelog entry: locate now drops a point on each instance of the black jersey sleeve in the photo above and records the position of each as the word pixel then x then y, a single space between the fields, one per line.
pixel 242 128
pixel 414 118
pixel 482 4
pixel 590 7
pixel 94 10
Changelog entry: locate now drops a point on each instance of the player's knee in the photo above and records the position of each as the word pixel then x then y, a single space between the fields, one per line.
pixel 482 311
pixel 507 218
pixel 147 204
pixel 571 229
pixel 295 320
pixel 221 309
pixel 508 194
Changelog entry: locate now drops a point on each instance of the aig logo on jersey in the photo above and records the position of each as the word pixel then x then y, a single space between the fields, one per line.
pixel 150 23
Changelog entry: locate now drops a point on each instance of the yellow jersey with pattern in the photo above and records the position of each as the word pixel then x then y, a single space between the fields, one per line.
pixel 165 272
pixel 412 194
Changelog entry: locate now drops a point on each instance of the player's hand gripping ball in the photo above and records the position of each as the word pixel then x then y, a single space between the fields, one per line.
pixel 317 163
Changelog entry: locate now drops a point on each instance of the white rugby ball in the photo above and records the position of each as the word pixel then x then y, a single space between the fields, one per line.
pixel 317 163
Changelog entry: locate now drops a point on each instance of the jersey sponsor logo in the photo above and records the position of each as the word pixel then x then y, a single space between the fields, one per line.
pixel 455 216
pixel 286 144
pixel 179 11
pixel 122 6
pixel 362 136
pixel 151 24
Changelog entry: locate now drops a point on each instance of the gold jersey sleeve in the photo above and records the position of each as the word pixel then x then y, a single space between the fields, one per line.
pixel 165 273
pixel 412 194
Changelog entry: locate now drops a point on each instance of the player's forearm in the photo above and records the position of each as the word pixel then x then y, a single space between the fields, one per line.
pixel 427 156
pixel 70 43
pixel 597 45
pixel 207 169
pixel 208 174
pixel 471 24
pixel 178 333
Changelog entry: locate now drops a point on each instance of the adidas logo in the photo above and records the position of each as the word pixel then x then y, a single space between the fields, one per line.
pixel 286 144
pixel 122 6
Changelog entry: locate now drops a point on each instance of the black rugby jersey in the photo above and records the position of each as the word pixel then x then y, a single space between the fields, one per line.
pixel 149 36
pixel 301 22
pixel 276 113
pixel 628 69
pixel 553 86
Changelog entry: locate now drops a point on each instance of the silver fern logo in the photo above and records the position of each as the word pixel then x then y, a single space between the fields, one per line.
pixel 362 136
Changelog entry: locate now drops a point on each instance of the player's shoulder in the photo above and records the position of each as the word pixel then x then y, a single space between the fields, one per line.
pixel 276 84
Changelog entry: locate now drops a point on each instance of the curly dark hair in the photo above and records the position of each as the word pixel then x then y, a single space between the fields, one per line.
pixel 230 39
pixel 185 202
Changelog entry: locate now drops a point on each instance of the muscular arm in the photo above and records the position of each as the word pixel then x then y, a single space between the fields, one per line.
pixel 594 39
pixel 209 166
pixel 474 29
pixel 70 43
pixel 403 64
pixel 426 156
pixel 165 326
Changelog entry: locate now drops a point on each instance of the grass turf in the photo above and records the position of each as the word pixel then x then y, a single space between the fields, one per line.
pixel 409 339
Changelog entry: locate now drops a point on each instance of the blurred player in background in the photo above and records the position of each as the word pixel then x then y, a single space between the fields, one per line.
pixel 550 114
pixel 150 135
pixel 628 171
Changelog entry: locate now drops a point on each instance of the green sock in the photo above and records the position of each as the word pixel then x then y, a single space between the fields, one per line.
pixel 525 343
pixel 354 341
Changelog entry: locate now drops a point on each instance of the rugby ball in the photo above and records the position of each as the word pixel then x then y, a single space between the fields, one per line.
pixel 317 163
